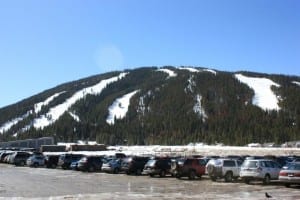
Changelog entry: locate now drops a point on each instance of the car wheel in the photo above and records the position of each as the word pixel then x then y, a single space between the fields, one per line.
pixel 22 163
pixel 151 175
pixel 53 166
pixel 178 176
pixel 213 178
pixel 267 179
pixel 91 168
pixel 138 172
pixel 35 165
pixel 287 185
pixel 228 177
pixel 162 173
pixel 247 181
pixel 116 170
pixel 192 175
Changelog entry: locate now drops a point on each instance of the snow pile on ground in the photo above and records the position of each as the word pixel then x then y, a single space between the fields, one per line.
pixel 264 96
pixel 119 108
pixel 38 106
pixel 168 71
pixel 57 111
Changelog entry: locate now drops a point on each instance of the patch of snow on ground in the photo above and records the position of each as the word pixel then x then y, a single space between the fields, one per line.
pixel 38 106
pixel 189 69
pixel 57 111
pixel 169 72
pixel 6 126
pixel 264 96
pixel 296 82
pixel 198 109
pixel 119 108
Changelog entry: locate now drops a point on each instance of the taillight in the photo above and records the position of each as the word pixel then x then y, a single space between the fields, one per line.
pixel 282 174
pixel 297 174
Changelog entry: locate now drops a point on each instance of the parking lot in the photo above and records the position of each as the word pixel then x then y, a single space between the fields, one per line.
pixel 43 183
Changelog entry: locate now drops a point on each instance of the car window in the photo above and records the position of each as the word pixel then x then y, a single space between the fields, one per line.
pixel 202 162
pixel 229 163
pixel 239 162
pixel 268 164
pixel 250 164
pixel 188 162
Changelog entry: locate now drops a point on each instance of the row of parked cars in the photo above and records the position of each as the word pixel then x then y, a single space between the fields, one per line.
pixel 247 168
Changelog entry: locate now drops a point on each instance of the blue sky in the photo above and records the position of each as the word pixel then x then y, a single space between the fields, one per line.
pixel 49 42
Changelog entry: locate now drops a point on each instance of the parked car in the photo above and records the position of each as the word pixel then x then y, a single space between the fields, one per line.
pixel 74 165
pixel 226 168
pixel 134 164
pixel 36 160
pixel 51 161
pixel 90 163
pixel 188 167
pixel 65 160
pixel 112 166
pixel 158 166
pixel 290 174
pixel 4 154
pixel 261 169
pixel 19 158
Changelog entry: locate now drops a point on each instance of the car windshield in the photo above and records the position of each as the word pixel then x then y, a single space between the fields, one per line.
pixel 250 164
pixel 151 163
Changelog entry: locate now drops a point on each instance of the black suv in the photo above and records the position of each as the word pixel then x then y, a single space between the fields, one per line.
pixel 134 165
pixel 65 160
pixel 51 161
pixel 158 166
pixel 90 163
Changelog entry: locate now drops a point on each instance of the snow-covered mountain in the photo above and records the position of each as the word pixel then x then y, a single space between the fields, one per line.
pixel 168 105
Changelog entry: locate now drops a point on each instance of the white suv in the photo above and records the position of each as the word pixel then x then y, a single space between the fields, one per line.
pixel 265 170
pixel 223 168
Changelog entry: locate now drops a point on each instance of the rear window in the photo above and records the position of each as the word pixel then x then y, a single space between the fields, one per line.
pixel 250 164
pixel 293 166
pixel 229 163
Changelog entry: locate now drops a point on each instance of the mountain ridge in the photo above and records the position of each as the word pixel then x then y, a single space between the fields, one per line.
pixel 173 105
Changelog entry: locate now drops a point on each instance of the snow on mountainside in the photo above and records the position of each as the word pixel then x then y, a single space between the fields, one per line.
pixel 6 126
pixel 38 106
pixel 193 70
pixel 198 108
pixel 119 108
pixel 57 111
pixel 169 72
pixel 264 96
pixel 296 82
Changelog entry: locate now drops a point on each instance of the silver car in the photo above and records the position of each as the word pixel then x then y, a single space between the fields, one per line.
pixel 261 169
pixel 290 174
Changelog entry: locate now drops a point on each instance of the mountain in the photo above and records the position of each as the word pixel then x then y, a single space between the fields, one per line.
pixel 168 105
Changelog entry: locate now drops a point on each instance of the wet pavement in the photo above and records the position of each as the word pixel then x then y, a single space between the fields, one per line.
pixel 42 183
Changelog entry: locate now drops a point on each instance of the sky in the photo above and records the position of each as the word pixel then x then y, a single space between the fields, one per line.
pixel 50 42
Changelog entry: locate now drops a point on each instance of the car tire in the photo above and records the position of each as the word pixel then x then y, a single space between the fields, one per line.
pixel 151 175
pixel 22 163
pixel 213 178
pixel 91 168
pixel 228 176
pixel 116 170
pixel 35 165
pixel 247 180
pixel 138 172
pixel 287 185
pixel 162 173
pixel 267 179
pixel 192 175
